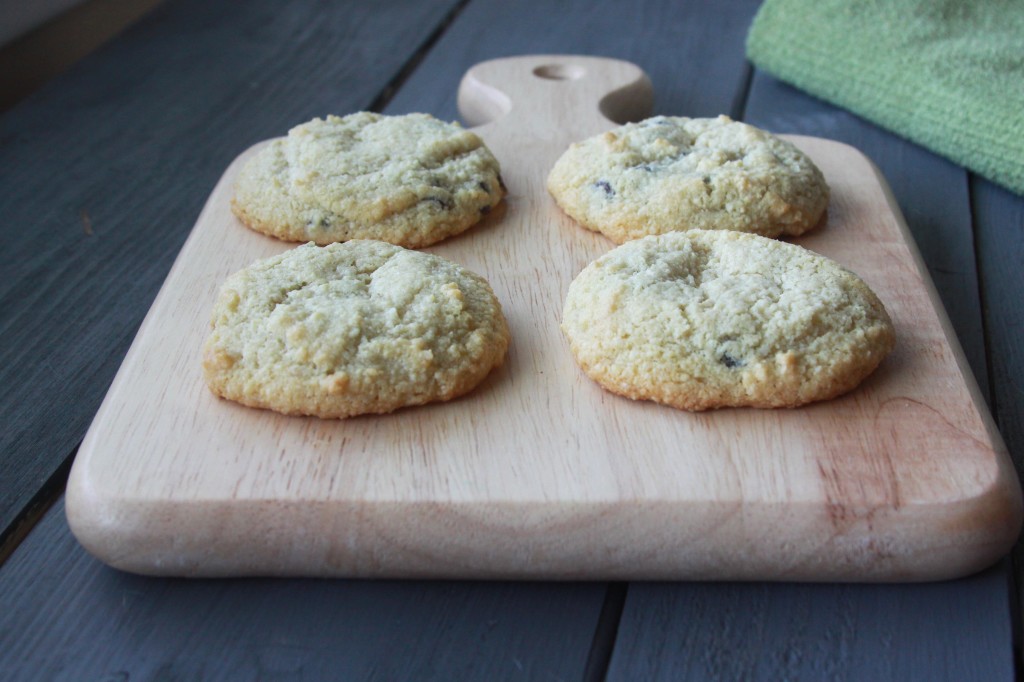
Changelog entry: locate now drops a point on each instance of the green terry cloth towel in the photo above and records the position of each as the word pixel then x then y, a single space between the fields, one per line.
pixel 947 74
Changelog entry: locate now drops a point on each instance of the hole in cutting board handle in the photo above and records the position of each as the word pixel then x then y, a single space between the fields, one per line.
pixel 559 72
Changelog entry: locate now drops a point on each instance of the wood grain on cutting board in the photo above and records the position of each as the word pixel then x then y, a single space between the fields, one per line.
pixel 539 473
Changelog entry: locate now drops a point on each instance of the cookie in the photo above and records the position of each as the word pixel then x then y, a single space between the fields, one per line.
pixel 705 319
pixel 409 180
pixel 354 328
pixel 670 174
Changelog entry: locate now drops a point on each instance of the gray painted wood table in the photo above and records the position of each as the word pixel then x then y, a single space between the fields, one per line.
pixel 103 173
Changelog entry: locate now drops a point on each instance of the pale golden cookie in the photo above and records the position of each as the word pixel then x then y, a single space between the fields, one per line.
pixel 353 328
pixel 410 180
pixel 705 319
pixel 669 174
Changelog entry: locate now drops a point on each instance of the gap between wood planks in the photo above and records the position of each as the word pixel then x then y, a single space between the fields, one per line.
pixel 33 512
pixel 389 90
pixel 600 655
pixel 738 108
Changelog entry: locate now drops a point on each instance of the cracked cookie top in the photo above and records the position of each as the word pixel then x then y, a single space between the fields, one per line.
pixel 410 180
pixel 354 328
pixel 668 174
pixel 705 319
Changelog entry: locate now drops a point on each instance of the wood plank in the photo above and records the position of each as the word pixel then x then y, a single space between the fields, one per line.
pixel 692 51
pixel 999 234
pixel 103 171
pixel 956 631
pixel 66 616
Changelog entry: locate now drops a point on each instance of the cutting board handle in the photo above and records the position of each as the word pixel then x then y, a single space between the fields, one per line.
pixel 555 93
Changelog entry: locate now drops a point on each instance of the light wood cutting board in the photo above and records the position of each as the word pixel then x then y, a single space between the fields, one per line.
pixel 539 473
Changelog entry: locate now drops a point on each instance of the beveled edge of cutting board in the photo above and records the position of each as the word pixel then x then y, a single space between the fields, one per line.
pixel 409 540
